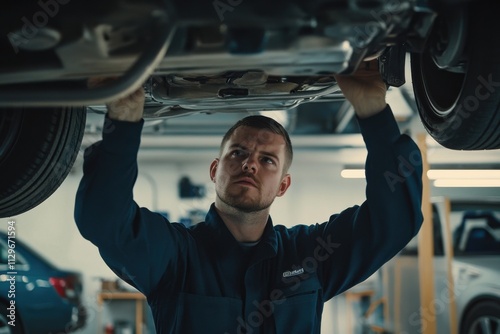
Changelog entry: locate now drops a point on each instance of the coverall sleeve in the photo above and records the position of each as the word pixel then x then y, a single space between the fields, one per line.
pixel 367 236
pixel 137 244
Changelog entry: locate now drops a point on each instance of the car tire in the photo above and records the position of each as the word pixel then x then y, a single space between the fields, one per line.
pixel 37 150
pixel 5 328
pixel 461 110
pixel 482 318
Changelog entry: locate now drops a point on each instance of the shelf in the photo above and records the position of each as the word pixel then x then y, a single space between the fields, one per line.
pixel 122 295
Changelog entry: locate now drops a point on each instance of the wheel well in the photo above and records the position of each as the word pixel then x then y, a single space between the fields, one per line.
pixel 477 300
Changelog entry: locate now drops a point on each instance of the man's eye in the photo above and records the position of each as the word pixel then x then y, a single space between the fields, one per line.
pixel 268 161
pixel 237 153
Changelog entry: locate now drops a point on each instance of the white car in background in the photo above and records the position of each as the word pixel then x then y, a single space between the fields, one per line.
pixel 475 227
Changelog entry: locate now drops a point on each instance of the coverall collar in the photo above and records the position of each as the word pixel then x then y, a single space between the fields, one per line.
pixel 267 247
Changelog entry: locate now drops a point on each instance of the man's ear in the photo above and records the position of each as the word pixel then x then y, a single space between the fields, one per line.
pixel 213 169
pixel 284 185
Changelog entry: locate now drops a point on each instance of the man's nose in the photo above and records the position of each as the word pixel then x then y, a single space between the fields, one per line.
pixel 250 164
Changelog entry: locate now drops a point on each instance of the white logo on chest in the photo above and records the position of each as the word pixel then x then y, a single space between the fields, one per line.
pixel 294 272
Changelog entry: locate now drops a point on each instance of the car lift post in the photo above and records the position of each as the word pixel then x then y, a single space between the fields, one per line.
pixel 448 253
pixel 426 250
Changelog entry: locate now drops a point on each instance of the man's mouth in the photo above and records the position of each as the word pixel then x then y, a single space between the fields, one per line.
pixel 247 181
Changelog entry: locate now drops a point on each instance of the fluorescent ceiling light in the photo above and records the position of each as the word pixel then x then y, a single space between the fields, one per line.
pixel 435 174
pixel 447 177
pixel 353 173
pixel 444 183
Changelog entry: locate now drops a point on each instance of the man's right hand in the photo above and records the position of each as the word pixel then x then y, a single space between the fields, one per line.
pixel 129 108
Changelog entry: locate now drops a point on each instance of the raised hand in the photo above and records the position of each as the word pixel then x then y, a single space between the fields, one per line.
pixel 365 89
pixel 129 108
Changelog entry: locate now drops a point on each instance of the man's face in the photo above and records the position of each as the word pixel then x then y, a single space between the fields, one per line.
pixel 250 171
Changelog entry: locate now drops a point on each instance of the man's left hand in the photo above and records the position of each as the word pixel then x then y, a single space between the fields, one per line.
pixel 364 89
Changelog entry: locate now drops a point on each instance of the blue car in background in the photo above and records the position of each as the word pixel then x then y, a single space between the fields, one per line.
pixel 35 296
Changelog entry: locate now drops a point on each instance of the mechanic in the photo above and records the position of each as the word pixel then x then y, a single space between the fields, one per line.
pixel 237 272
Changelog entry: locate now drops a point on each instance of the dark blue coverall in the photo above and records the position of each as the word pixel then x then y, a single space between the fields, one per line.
pixel 201 280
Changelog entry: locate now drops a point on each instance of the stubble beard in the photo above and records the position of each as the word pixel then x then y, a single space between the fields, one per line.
pixel 236 203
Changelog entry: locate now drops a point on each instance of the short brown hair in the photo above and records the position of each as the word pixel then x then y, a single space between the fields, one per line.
pixel 265 123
